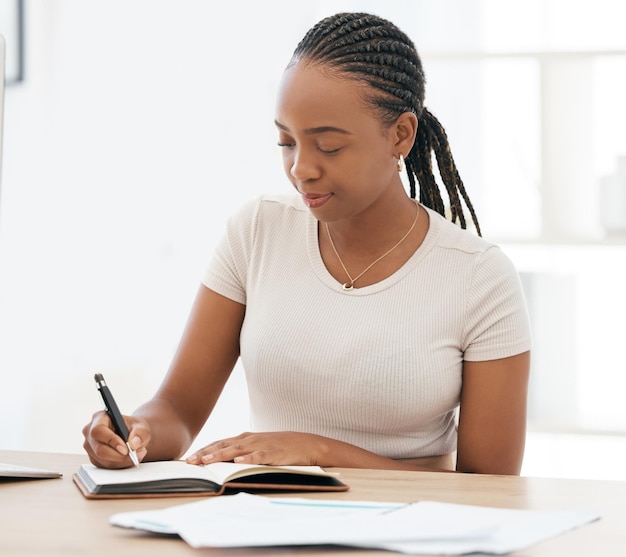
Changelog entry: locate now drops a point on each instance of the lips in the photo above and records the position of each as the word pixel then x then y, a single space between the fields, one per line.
pixel 315 201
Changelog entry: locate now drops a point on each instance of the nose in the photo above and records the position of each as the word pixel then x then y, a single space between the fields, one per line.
pixel 303 166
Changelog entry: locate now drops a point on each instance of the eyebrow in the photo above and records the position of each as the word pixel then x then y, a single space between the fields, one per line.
pixel 319 129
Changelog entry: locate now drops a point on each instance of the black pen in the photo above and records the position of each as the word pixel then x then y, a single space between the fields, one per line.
pixel 115 415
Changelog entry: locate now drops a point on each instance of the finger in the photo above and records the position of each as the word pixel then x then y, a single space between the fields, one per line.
pixel 141 454
pixel 104 435
pixel 139 435
pixel 208 451
pixel 105 442
pixel 220 452
pixel 105 456
pixel 255 457
pixel 103 446
pixel 225 450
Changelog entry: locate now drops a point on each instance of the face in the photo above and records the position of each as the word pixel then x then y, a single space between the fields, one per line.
pixel 336 153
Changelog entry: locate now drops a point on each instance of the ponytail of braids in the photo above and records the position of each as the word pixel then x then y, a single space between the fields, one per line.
pixel 374 51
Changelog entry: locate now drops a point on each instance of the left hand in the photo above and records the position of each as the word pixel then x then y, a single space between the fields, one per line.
pixel 273 448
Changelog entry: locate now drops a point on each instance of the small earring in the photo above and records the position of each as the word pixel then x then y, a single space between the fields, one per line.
pixel 400 163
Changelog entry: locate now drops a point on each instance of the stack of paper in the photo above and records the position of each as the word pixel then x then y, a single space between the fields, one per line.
pixel 426 527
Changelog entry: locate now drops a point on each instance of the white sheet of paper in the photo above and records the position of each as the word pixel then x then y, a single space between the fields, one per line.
pixel 271 524
pixel 246 520
pixel 517 528
pixel 243 507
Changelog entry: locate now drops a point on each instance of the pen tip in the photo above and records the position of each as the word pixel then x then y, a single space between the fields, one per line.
pixel 98 377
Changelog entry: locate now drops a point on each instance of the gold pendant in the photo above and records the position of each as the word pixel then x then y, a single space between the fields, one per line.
pixel 347 286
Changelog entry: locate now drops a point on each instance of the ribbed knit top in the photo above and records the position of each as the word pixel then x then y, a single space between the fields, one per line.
pixel 380 366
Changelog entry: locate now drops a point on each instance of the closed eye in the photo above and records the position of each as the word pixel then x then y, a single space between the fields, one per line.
pixel 287 145
pixel 330 151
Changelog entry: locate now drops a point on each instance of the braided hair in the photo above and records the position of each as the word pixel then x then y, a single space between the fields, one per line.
pixel 374 51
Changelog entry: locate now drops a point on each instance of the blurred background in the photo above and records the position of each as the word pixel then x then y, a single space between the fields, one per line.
pixel 133 128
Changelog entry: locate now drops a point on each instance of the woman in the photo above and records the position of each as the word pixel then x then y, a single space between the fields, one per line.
pixel 373 332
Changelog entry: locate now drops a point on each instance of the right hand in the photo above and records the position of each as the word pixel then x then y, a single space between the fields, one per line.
pixel 106 448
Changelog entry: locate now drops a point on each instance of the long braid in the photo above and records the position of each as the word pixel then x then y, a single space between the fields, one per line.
pixel 373 50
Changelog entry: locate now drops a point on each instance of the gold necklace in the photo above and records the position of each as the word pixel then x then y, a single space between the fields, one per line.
pixel 350 285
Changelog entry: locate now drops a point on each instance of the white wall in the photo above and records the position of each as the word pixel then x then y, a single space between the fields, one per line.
pixel 140 126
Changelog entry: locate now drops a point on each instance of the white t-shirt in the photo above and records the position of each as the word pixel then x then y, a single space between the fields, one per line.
pixel 379 366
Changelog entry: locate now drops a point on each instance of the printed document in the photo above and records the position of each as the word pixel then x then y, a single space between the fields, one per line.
pixel 426 527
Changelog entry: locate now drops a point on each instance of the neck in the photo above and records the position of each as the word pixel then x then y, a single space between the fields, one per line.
pixel 387 255
pixel 374 229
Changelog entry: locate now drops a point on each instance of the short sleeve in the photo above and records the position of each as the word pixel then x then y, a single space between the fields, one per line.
pixel 227 270
pixel 497 323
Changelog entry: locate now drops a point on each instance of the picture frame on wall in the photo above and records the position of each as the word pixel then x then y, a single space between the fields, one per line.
pixel 12 29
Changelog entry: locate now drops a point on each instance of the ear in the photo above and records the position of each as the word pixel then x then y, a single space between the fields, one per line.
pixel 404 131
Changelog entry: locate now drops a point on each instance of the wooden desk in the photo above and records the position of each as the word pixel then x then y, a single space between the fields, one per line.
pixel 51 518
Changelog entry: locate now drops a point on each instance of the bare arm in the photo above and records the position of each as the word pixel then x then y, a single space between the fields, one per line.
pixel 164 427
pixel 492 419
pixel 205 358
pixel 307 449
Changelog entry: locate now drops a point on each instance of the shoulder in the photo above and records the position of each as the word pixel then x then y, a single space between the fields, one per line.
pixel 272 205
pixel 495 321
pixel 267 220
pixel 267 210
pixel 468 255
pixel 450 236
